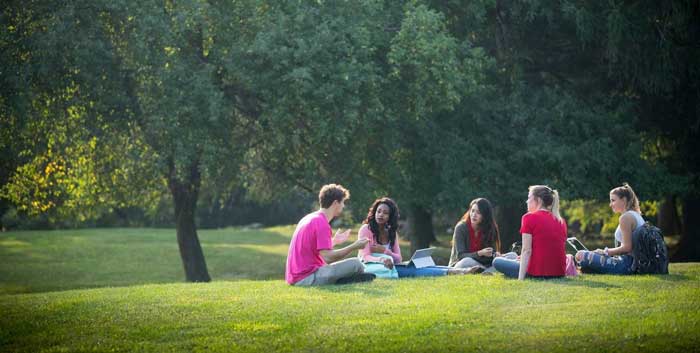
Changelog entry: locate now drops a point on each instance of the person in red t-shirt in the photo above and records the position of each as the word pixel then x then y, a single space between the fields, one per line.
pixel 544 239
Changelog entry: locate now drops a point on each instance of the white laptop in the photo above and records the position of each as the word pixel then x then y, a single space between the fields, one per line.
pixel 422 258
pixel 576 244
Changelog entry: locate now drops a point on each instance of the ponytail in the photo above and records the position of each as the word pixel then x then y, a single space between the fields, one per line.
pixel 549 197
pixel 555 206
pixel 625 191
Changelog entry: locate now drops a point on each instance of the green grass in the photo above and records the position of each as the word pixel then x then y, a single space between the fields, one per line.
pixel 456 313
pixel 39 261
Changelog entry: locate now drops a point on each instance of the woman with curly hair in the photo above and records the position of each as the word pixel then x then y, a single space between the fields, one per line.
pixel 380 228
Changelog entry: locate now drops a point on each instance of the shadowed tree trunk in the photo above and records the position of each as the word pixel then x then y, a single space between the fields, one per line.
pixel 185 193
pixel 508 219
pixel 667 218
pixel 421 223
pixel 689 246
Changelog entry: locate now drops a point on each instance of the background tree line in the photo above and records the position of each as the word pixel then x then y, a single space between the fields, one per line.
pixel 107 105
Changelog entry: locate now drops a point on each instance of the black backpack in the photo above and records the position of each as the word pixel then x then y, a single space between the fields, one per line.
pixel 649 251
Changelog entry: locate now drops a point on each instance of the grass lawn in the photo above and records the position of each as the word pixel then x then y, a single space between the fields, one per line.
pixel 49 303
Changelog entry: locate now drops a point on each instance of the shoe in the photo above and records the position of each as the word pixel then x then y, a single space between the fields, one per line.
pixel 457 271
pixel 475 269
pixel 357 278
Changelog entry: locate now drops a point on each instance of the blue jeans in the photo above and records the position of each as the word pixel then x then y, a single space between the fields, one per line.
pixel 411 271
pixel 510 266
pixel 613 265
pixel 507 264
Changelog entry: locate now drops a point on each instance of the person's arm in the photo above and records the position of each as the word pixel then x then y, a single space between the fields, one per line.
pixel 461 241
pixel 341 237
pixel 627 224
pixel 331 256
pixel 366 251
pixel 395 252
pixel 525 255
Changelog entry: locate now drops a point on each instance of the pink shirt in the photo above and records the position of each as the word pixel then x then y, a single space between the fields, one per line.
pixel 366 253
pixel 313 234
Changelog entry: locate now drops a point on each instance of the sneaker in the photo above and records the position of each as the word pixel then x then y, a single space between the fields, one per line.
pixel 475 269
pixel 457 271
pixel 357 278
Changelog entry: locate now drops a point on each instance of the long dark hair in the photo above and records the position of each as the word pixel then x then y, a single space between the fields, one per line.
pixel 392 224
pixel 488 225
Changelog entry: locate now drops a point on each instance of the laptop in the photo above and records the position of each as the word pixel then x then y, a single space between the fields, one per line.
pixel 421 258
pixel 576 244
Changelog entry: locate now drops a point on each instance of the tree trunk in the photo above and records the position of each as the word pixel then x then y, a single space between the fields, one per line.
pixel 688 248
pixel 667 218
pixel 421 223
pixel 508 219
pixel 185 193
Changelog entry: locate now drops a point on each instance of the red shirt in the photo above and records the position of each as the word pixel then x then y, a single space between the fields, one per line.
pixel 474 238
pixel 548 243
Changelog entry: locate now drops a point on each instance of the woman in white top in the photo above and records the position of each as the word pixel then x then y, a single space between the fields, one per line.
pixel 616 260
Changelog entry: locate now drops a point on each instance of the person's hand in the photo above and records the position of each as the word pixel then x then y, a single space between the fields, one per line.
pixel 599 251
pixel 388 263
pixel 360 243
pixel 341 237
pixel 377 248
pixel 486 252
pixel 496 254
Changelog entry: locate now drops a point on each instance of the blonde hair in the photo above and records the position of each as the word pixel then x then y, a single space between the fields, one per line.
pixel 625 191
pixel 549 197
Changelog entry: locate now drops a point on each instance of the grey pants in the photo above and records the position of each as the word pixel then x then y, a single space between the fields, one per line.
pixel 468 262
pixel 329 274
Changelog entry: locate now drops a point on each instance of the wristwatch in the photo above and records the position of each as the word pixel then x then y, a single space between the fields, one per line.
pixel 606 252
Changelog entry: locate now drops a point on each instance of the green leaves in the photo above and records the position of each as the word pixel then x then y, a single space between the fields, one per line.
pixel 425 69
pixel 430 102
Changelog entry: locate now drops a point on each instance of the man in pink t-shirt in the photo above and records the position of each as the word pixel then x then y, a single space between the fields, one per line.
pixel 311 259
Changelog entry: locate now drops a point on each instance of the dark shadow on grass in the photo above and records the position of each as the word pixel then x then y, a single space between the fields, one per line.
pixel 366 288
pixel 675 277
pixel 579 282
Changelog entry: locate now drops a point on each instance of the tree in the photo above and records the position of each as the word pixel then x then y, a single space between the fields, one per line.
pixel 352 88
pixel 562 118
pixel 429 102
pixel 148 78
pixel 653 53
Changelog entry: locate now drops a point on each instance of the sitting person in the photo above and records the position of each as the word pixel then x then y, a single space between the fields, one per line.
pixel 617 260
pixel 311 259
pixel 476 240
pixel 380 230
pixel 544 233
